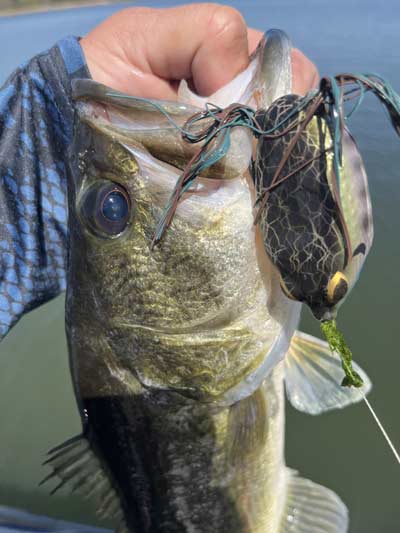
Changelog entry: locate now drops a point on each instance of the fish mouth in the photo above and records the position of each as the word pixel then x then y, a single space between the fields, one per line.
pixel 156 126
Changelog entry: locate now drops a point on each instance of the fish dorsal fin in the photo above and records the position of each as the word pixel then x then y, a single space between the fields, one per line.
pixel 313 377
pixel 79 469
pixel 312 508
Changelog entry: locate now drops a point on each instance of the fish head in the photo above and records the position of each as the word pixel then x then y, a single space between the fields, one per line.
pixel 162 312
pixel 193 314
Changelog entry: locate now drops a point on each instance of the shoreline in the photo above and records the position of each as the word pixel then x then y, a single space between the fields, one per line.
pixel 15 12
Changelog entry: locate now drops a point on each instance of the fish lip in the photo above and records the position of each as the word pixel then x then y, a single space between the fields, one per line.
pixel 215 323
pixel 83 89
pixel 198 328
pixel 168 331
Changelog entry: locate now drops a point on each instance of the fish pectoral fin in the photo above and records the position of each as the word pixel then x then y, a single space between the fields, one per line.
pixel 313 508
pixel 313 377
pixel 77 467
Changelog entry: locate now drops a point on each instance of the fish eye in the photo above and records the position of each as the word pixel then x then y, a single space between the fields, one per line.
pixel 106 208
pixel 115 206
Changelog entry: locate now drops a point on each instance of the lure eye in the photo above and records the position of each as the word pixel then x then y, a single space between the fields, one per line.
pixel 106 207
pixel 337 288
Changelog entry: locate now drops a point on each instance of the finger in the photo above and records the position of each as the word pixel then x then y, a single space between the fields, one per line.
pixel 204 42
pixel 108 51
pixel 253 38
pixel 305 74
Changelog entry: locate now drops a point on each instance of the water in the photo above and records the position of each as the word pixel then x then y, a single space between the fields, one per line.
pixel 342 450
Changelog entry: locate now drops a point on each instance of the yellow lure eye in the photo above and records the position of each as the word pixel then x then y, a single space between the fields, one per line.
pixel 337 287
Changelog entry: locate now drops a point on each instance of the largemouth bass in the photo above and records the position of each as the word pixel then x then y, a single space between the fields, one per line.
pixel 179 353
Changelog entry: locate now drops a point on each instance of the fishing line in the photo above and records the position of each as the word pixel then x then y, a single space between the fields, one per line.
pixel 381 428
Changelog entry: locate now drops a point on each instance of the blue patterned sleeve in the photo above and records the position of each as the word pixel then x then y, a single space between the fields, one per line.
pixel 36 121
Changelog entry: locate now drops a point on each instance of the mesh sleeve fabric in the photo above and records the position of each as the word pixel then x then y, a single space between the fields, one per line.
pixel 36 122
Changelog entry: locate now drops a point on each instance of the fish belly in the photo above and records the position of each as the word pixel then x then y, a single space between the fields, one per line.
pixel 179 465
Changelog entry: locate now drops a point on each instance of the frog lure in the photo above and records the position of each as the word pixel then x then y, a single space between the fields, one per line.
pixel 312 199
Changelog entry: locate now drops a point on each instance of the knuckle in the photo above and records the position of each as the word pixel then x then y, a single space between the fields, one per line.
pixel 227 21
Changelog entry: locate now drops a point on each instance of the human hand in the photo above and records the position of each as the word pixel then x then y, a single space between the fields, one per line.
pixel 146 52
